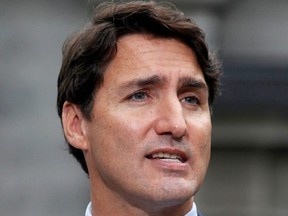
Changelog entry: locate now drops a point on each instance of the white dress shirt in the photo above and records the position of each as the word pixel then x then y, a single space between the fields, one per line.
pixel 192 212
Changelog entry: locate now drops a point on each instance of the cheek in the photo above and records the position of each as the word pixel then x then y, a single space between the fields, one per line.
pixel 200 134
pixel 116 134
pixel 206 137
pixel 205 145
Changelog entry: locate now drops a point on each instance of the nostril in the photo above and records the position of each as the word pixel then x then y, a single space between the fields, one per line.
pixel 170 126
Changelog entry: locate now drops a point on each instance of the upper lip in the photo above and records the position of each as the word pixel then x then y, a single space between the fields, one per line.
pixel 181 155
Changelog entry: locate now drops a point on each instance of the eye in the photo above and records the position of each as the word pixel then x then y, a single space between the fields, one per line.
pixel 138 96
pixel 191 100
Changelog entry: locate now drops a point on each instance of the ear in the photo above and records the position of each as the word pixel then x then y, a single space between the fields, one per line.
pixel 74 126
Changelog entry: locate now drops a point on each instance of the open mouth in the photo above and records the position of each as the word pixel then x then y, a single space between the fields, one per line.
pixel 167 157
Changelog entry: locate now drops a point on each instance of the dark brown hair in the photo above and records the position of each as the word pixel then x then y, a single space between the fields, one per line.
pixel 86 53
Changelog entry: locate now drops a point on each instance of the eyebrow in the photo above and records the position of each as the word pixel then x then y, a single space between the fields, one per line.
pixel 152 80
pixel 189 82
pixel 184 82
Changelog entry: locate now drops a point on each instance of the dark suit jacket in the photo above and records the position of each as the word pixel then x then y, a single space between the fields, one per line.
pixel 199 213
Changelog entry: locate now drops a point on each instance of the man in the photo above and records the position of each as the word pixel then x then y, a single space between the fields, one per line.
pixel 134 95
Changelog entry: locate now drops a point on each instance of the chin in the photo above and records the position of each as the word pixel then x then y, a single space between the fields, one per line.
pixel 174 192
pixel 168 201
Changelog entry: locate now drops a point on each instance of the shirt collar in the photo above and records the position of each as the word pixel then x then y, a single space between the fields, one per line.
pixel 88 210
pixel 192 212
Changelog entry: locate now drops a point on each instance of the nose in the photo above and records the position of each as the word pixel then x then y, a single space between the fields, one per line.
pixel 171 119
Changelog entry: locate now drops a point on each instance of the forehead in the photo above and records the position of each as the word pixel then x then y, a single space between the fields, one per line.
pixel 141 55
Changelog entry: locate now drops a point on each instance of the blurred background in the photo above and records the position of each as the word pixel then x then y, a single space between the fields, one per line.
pixel 248 173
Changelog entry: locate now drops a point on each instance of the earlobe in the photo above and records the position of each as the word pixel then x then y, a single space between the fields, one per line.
pixel 73 126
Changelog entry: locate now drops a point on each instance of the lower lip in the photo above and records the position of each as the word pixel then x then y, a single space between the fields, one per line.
pixel 169 165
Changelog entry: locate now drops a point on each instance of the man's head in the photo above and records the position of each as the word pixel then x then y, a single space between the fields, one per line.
pixel 134 95
pixel 87 53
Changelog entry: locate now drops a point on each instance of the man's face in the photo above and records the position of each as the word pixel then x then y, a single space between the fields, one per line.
pixel 149 137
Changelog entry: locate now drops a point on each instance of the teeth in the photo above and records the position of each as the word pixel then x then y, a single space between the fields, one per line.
pixel 166 155
pixel 162 155
pixel 173 156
